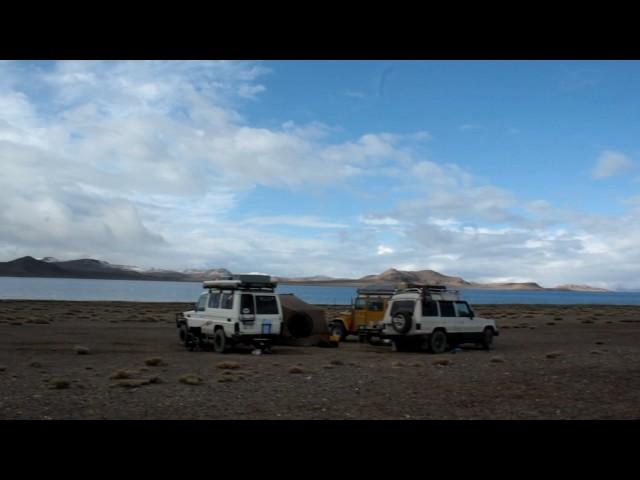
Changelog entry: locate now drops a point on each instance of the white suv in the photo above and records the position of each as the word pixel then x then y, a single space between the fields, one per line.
pixel 433 318
pixel 243 309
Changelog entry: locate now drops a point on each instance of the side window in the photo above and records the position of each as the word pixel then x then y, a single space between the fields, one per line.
pixel 447 309
pixel 202 301
pixel 246 302
pixel 267 304
pixel 376 304
pixel 361 303
pixel 227 301
pixel 429 308
pixel 463 309
pixel 214 300
pixel 402 306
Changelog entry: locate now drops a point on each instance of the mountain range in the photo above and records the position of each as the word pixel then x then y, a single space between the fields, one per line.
pixel 90 268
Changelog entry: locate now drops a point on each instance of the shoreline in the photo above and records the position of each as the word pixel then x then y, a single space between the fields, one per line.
pixel 329 283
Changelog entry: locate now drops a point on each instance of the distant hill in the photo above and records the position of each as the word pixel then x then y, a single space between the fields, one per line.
pixel 580 288
pixel 90 268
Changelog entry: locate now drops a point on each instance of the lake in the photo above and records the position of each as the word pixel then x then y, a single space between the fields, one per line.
pixel 154 291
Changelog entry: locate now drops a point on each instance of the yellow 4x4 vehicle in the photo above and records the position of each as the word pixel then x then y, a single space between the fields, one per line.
pixel 367 310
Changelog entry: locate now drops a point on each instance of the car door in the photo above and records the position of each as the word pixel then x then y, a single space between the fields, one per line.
pixel 448 317
pixel 197 318
pixel 468 325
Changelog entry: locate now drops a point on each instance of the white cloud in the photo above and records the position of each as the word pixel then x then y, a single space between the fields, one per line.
pixel 611 163
pixel 150 163
pixel 293 220
pixel 370 220
pixel 383 250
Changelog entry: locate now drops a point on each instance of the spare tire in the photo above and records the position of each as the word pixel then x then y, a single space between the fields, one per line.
pixel 401 322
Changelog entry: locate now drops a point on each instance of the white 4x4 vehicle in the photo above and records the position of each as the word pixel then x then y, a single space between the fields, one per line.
pixel 433 318
pixel 244 309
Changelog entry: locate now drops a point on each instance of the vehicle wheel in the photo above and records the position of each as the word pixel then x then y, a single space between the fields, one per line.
pixel 219 341
pixel 338 330
pixel 487 339
pixel 182 334
pixel 438 342
pixel 401 323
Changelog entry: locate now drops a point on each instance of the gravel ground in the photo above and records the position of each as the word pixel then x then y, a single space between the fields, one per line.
pixel 122 360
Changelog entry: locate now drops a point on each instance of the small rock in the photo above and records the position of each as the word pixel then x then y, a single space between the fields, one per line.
pixel 225 379
pixel 596 352
pixel 296 369
pixel 554 354
pixel 80 350
pixel 397 364
pixel 35 365
pixel 3 368
pixel 497 359
pixel 599 343
pixel 336 362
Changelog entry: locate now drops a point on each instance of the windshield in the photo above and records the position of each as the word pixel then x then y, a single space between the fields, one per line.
pixel 200 304
pixel 361 303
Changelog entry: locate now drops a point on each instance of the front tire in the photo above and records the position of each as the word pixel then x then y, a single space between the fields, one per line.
pixel 183 334
pixel 220 343
pixel 438 342
pixel 487 339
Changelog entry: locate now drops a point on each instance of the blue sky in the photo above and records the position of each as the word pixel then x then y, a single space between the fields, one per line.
pixel 492 170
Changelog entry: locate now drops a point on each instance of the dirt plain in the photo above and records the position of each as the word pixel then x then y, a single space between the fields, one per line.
pixel 123 360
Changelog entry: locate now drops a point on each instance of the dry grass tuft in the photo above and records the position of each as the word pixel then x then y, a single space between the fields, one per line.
pixel 191 379
pixel 228 365
pixel 554 354
pixel 122 374
pixel 154 362
pixel 58 384
pixel 442 362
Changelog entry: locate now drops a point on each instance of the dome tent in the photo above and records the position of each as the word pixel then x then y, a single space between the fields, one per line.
pixel 304 324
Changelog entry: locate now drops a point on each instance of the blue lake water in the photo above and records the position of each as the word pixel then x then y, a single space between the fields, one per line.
pixel 153 291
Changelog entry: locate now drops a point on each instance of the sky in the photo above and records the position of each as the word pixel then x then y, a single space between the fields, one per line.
pixel 489 170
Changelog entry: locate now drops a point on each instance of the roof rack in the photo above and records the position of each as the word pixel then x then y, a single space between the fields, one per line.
pixel 427 290
pixel 243 282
